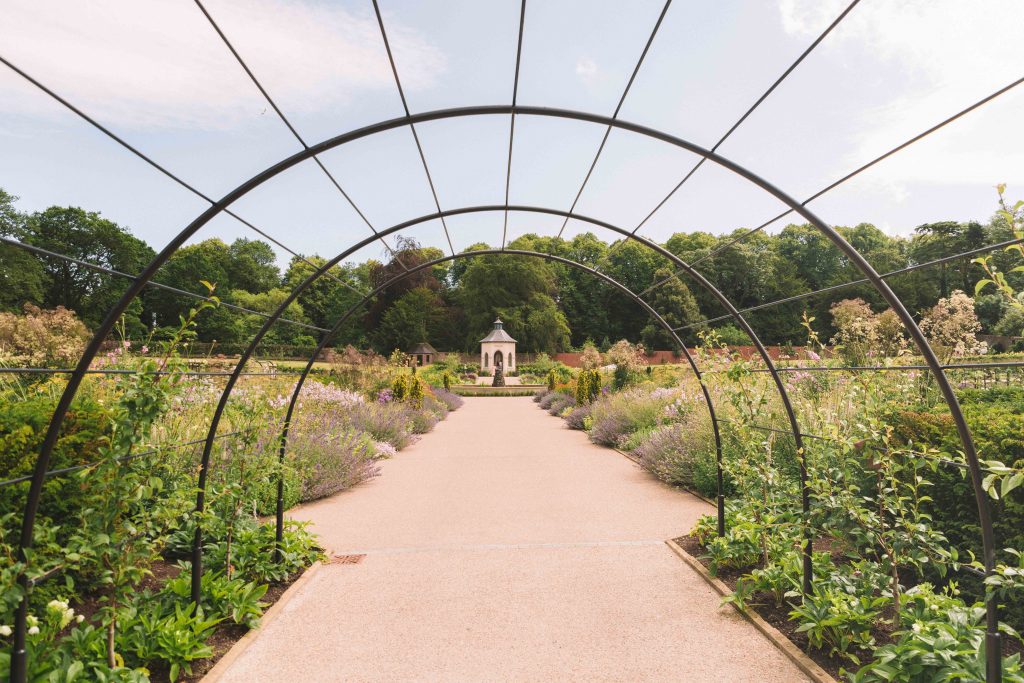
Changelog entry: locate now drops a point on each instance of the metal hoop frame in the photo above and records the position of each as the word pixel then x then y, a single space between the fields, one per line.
pixel 993 649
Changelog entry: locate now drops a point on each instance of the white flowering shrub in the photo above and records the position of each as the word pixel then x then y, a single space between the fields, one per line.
pixel 951 326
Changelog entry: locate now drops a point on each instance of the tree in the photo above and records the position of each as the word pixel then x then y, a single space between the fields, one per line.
pixel 951 325
pixel 89 237
pixel 416 317
pixel 187 268
pixel 244 326
pixel 22 278
pixel 948 238
pixel 327 298
pixel 676 305
pixel 521 292
pixel 634 266
pixel 252 266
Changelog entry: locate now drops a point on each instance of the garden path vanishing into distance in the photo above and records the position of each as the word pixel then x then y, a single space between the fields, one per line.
pixel 504 546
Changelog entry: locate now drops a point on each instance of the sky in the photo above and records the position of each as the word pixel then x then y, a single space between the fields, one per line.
pixel 156 74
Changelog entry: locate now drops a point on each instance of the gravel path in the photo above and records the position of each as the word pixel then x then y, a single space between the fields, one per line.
pixel 505 547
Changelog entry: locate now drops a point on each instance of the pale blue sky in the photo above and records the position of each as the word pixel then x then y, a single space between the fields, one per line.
pixel 155 72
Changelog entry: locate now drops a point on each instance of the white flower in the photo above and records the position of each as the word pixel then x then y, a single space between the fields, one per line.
pixel 5 630
pixel 916 627
pixel 33 631
pixel 80 618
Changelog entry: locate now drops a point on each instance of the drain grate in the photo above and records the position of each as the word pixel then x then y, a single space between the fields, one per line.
pixel 346 559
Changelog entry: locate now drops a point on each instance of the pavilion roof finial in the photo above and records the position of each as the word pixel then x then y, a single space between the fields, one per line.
pixel 498 334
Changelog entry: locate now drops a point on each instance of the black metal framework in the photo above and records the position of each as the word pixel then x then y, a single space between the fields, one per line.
pixel 223 205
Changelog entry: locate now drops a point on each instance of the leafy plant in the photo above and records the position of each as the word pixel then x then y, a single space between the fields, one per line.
pixel 177 638
pixel 221 597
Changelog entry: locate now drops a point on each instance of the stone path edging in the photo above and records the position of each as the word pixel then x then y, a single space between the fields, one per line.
pixel 236 651
pixel 795 654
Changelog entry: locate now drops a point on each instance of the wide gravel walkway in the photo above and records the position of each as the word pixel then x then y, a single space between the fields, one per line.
pixel 505 547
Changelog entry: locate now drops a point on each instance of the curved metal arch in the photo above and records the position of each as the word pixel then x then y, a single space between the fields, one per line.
pixel 762 351
pixel 57 419
pixel 329 336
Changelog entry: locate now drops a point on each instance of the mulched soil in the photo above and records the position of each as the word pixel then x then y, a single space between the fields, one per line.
pixel 224 636
pixel 765 607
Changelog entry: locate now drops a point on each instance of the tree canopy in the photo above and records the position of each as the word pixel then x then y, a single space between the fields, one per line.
pixel 546 305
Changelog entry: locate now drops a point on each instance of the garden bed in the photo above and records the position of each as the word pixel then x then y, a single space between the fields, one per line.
pixel 776 616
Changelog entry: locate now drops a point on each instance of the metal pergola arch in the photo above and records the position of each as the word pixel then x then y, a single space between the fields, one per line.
pixel 225 202
pixel 222 206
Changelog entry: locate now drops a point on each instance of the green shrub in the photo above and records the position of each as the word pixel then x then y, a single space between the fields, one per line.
pixel 23 424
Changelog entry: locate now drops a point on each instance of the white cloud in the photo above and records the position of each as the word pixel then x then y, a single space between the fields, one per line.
pixel 935 57
pixel 587 70
pixel 159 63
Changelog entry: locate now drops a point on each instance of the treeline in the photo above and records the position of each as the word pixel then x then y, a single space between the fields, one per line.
pixel 547 306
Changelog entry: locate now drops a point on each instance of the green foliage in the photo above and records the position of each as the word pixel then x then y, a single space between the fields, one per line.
pixel 731 335
pixel 400 388
pixel 177 638
pixel 676 305
pixel 221 597
pixel 583 388
pixel 253 555
pixel 23 423
pixel 941 640
pixel 415 395
pixel 521 292
pixel 838 622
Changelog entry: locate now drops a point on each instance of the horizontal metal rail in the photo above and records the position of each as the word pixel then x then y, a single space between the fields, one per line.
pixel 138 153
pixel 110 271
pixel 124 458
pixel 847 177
pixel 154 373
pixel 852 283
pixel 881 368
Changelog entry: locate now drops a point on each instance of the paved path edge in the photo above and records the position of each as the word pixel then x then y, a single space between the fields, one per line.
pixel 788 648
pixel 678 488
pixel 243 643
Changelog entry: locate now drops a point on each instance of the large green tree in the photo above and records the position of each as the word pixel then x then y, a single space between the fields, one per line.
pixel 418 315
pixel 22 277
pixel 521 291
pixel 89 237
pixel 674 302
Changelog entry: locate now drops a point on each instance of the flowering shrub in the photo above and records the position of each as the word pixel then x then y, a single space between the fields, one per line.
pixel 628 359
pixel 590 359
pixel 328 457
pixel 560 403
pixel 451 400
pixel 547 399
pixel 856 330
pixel 618 415
pixel 672 452
pixel 951 325
pixel 390 422
pixel 577 419
pixel 42 338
